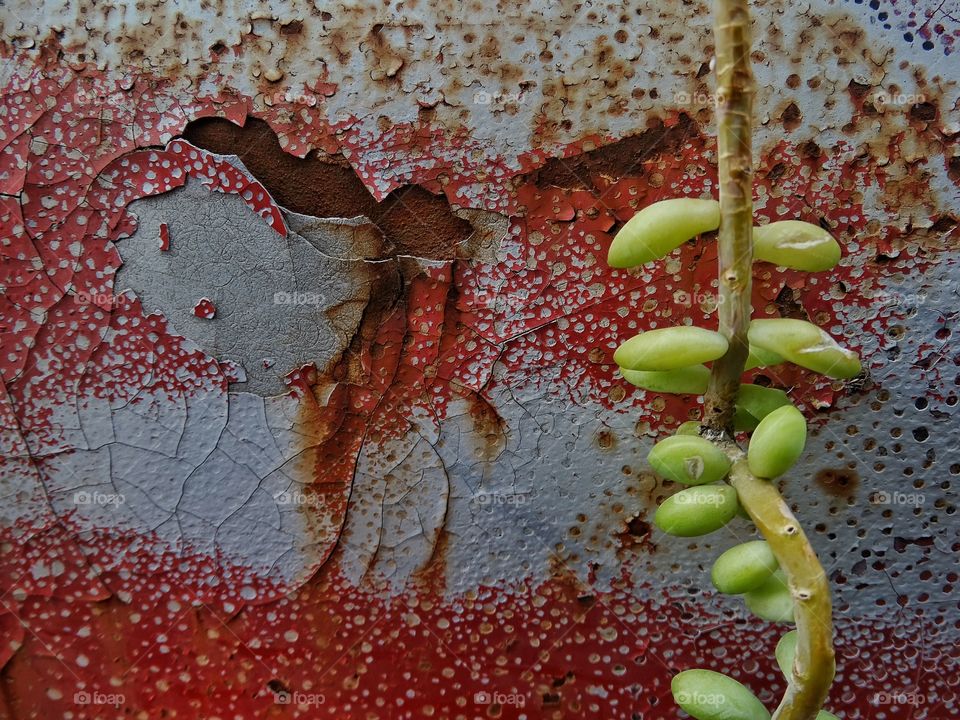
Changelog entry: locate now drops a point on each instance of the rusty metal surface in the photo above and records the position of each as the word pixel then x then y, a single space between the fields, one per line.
pixel 318 417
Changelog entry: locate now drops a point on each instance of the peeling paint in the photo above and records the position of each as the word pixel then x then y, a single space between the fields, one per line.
pixel 391 471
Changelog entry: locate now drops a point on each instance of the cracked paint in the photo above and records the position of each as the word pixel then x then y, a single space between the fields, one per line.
pixel 394 473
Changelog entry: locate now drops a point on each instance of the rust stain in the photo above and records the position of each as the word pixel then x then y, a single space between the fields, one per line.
pixel 432 577
pixel 789 305
pixel 791 117
pixel 413 220
pixel 488 425
pixel 839 482
pixel 619 159
pixel 606 440
pixel 637 536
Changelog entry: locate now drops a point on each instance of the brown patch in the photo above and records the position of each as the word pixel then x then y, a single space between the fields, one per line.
pixel 943 224
pixel 788 303
pixel 839 482
pixel 923 112
pixel 277 687
pixel 857 90
pixel 953 168
pixel 791 117
pixel 776 172
pixel 550 699
pixel 620 159
pixel 606 439
pixel 638 536
pixel 433 574
pixel 386 295
pixel 900 544
pixel 810 150
pixel 413 220
pixel 488 425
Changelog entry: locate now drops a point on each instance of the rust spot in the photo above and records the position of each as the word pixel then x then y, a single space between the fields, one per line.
pixel 900 544
pixel 277 687
pixel 953 168
pixel 488 425
pixel 606 439
pixel 839 482
pixel 637 536
pixel 857 90
pixel 788 303
pixel 776 172
pixel 923 112
pixel 791 117
pixel 413 220
pixel 622 158
pixel 563 679
pixel 810 150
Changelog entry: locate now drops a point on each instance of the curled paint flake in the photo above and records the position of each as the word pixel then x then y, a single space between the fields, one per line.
pixel 164 237
pixel 205 309
pixel 303 377
pixel 220 175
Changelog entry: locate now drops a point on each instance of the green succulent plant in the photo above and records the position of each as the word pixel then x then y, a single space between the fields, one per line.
pixel 780 577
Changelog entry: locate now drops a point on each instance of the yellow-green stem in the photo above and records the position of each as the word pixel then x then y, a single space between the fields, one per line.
pixel 814 663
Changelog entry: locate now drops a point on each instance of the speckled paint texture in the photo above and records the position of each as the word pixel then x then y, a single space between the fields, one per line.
pixel 307 401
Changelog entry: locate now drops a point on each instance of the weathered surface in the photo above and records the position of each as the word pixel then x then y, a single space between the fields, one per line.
pixel 411 484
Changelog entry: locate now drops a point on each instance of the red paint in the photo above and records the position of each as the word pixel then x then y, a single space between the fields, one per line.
pixel 549 312
pixel 205 309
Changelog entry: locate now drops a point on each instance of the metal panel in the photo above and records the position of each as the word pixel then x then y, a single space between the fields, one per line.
pixel 318 417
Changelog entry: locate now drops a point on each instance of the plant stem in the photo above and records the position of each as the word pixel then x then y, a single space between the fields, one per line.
pixel 735 90
pixel 814 663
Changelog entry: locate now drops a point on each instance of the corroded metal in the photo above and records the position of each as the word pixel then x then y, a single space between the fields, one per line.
pixel 363 448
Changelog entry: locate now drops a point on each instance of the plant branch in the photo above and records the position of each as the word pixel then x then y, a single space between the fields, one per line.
pixel 814 663
pixel 735 91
